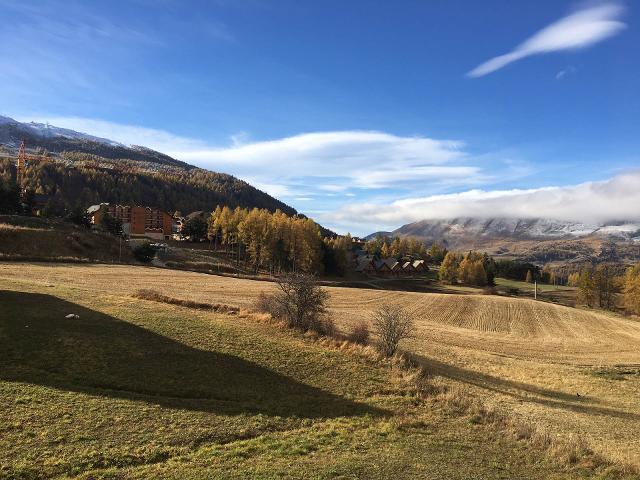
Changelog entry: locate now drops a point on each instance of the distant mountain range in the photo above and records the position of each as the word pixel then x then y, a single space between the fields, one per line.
pixel 537 240
pixel 465 229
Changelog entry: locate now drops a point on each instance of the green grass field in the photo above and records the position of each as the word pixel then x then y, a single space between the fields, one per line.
pixel 528 287
pixel 138 389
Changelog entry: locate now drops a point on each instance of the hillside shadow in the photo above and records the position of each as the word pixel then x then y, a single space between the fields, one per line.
pixel 522 391
pixel 102 355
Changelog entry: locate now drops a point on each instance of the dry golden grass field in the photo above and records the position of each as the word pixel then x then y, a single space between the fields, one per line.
pixel 571 371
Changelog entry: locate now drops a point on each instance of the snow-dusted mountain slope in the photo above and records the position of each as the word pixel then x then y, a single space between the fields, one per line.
pixel 55 140
pixel 44 130
pixel 516 229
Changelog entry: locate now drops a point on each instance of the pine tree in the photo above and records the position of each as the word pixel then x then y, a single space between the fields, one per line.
pixel 573 279
pixel 586 288
pixel 449 268
pixel 478 274
pixel 385 251
pixel 606 286
pixel 631 289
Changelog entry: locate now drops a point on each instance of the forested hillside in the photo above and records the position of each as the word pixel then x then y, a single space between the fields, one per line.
pixel 75 170
pixel 76 184
pixel 57 140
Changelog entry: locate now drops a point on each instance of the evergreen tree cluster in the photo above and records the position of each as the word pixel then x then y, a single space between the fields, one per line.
pixel 517 270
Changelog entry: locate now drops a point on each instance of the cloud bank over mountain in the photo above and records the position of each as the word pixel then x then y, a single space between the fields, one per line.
pixel 614 199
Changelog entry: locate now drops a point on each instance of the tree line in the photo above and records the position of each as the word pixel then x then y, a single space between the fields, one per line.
pixel 273 241
pixel 78 180
pixel 473 268
pixel 396 247
pixel 601 286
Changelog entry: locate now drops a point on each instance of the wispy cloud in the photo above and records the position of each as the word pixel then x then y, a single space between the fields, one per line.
pixel 318 163
pixel 324 170
pixel 48 49
pixel 613 199
pixel 367 159
pixel 580 29
pixel 565 72
pixel 49 45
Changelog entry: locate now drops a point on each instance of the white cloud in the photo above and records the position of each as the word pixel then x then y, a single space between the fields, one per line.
pixel 312 163
pixel 368 159
pixel 570 70
pixel 577 30
pixel 613 199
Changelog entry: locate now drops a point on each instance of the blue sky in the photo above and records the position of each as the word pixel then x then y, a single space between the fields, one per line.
pixel 349 111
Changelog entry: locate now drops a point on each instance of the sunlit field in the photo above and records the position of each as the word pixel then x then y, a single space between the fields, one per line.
pixel 572 371
pixel 139 389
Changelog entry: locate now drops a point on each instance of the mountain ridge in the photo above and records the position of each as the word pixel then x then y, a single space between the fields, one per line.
pixel 539 241
pixel 81 169
pixel 514 228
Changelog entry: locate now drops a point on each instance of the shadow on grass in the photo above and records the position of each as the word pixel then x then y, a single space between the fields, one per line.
pixel 522 391
pixel 102 355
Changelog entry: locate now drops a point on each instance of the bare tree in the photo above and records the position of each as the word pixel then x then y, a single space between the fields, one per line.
pixel 302 302
pixel 392 323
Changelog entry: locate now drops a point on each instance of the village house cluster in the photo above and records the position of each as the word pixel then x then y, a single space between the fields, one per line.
pixel 388 267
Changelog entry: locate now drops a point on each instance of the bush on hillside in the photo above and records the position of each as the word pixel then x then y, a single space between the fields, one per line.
pixel 300 302
pixel 144 252
pixel 392 324
pixel 359 333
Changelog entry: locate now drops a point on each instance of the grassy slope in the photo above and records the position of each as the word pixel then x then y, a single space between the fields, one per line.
pixel 34 238
pixel 135 389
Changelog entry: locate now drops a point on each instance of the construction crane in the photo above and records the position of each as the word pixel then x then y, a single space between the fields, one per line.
pixel 22 160
pixel 22 163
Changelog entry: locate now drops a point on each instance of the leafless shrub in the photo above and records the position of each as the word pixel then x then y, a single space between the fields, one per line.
pixel 154 296
pixel 268 304
pixel 392 323
pixel 326 327
pixel 299 301
pixel 359 333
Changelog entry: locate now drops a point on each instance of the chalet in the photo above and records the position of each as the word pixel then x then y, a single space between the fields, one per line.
pixel 407 268
pixel 178 223
pixel 419 266
pixel 365 264
pixel 382 267
pixel 387 267
pixel 395 267
pixel 136 221
pixel 38 203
